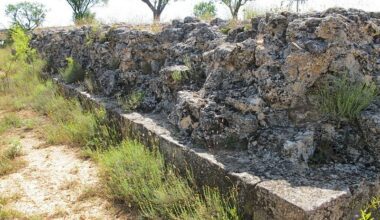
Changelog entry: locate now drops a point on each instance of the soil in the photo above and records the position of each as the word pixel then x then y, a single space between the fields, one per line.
pixel 56 183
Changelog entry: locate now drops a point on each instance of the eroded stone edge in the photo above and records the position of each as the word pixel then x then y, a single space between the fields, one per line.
pixel 258 199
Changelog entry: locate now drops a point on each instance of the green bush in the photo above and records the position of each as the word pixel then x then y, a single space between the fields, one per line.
pixel 344 98
pixel 205 10
pixel 73 71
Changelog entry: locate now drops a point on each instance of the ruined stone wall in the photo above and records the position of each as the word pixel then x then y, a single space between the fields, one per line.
pixel 246 90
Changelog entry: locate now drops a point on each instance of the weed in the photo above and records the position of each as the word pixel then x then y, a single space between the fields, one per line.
pixel 73 71
pixel 10 121
pixel 15 150
pixel 134 174
pixel 177 76
pixel 230 25
pixel 132 102
pixel 371 209
pixel 344 98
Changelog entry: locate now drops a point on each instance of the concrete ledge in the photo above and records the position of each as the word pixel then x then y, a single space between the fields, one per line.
pixel 259 197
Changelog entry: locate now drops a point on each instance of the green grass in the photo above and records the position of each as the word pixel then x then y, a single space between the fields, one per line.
pixel 73 71
pixel 6 213
pixel 10 120
pixel 177 76
pixel 345 99
pixel 131 172
pixel 132 102
pixel 139 177
pixel 9 158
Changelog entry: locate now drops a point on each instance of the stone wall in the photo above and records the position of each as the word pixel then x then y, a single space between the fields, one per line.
pixel 246 90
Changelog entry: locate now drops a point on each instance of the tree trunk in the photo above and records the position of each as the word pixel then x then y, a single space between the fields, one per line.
pixel 156 17
pixel 235 13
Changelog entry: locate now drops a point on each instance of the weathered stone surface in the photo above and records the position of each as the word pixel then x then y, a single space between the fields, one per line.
pixel 247 93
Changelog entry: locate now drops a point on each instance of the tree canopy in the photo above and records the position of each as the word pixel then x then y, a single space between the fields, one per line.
pixel 81 8
pixel 27 15
pixel 205 10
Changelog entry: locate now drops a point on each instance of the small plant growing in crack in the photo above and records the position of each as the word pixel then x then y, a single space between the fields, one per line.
pixel 73 71
pixel 344 98
pixel 132 102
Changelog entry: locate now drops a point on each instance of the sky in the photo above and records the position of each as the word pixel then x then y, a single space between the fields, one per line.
pixel 134 11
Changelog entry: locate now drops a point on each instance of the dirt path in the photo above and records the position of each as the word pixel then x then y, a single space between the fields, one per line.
pixel 56 182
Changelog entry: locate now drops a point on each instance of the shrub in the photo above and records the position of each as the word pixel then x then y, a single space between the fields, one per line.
pixel 73 71
pixel 205 10
pixel 344 98
pixel 21 44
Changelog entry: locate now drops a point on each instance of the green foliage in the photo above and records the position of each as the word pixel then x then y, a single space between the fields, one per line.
pixel 131 172
pixel 73 71
pixel 9 121
pixel 177 76
pixel 132 102
pixel 344 98
pixel 27 15
pixel 15 150
pixel 205 10
pixel 9 161
pixel 137 176
pixel 71 124
pixel 21 44
pixel 81 9
pixel 372 207
pixel 87 18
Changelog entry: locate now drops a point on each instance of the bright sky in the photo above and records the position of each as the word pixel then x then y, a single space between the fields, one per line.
pixel 134 11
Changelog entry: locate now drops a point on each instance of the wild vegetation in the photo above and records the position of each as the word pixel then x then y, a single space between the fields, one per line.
pixel 131 173
pixel 344 98
pixel 27 15
pixel 205 10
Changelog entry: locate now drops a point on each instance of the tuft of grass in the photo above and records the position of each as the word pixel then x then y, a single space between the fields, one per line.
pixel 132 102
pixel 177 76
pixel 139 177
pixel 73 71
pixel 10 120
pixel 232 24
pixel 344 98
pixel 15 150
pixel 9 161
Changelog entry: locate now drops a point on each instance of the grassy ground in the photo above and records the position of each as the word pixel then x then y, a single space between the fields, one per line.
pixel 131 174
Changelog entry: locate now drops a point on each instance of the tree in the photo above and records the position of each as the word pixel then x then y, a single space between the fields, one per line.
pixel 205 10
pixel 81 8
pixel 157 7
pixel 27 15
pixel 234 6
